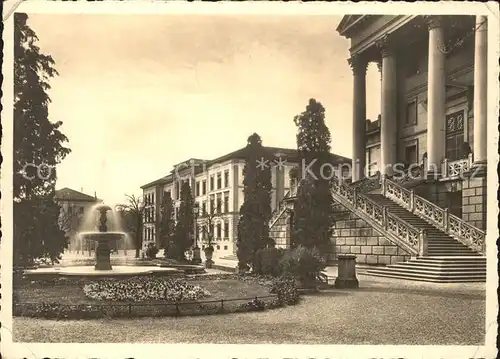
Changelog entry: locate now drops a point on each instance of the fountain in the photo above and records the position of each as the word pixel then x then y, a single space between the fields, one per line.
pixel 103 238
pixel 102 266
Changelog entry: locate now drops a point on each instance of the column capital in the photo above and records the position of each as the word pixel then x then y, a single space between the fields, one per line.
pixel 358 64
pixel 433 21
pixel 386 45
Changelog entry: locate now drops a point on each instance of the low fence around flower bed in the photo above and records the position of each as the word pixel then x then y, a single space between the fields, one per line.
pixel 128 310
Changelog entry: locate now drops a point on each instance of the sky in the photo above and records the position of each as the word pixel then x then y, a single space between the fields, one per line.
pixel 138 94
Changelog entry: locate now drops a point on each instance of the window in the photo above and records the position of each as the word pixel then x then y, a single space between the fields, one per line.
pixel 219 181
pixel 411 113
pixel 204 187
pixel 203 207
pixel 225 248
pixel 81 209
pixel 226 178
pixel 70 209
pixel 226 229
pixel 219 230
pixel 219 203
pixel 411 155
pixel 454 135
pixel 212 204
pixel 218 247
pixel 226 202
pixel 197 188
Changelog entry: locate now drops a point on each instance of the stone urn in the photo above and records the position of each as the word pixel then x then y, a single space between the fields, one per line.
pixel 346 277
pixel 209 252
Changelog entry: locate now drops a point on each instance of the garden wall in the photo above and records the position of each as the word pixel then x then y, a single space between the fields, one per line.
pixel 352 235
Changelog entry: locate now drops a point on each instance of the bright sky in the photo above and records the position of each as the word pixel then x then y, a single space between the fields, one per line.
pixel 138 94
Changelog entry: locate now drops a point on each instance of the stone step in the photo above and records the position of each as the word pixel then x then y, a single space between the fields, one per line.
pixel 437 268
pixel 430 279
pixel 428 272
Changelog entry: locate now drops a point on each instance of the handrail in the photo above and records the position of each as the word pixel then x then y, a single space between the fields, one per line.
pixel 380 218
pixel 282 207
pixel 367 184
pixel 450 224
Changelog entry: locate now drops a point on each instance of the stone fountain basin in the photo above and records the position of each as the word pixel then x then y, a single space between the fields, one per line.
pixel 89 271
pixel 102 236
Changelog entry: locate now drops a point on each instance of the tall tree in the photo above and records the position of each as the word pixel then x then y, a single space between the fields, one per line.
pixel 167 222
pixel 255 213
pixel 38 148
pixel 133 211
pixel 313 218
pixel 184 228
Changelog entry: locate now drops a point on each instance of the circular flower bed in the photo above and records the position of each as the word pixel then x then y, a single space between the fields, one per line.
pixel 144 289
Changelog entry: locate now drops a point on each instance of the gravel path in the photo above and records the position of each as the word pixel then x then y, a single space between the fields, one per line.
pixel 382 311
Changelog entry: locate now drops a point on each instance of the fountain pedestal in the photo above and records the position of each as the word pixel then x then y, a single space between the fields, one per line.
pixel 102 255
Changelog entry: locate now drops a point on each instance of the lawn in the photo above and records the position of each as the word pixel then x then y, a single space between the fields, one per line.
pixel 377 313
pixel 73 293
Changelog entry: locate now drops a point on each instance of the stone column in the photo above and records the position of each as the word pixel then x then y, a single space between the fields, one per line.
pixel 480 92
pixel 388 125
pixel 436 94
pixel 358 65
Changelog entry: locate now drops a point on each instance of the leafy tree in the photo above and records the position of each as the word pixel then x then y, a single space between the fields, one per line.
pixel 208 225
pixel 38 148
pixel 184 231
pixel 313 207
pixel 255 213
pixel 133 212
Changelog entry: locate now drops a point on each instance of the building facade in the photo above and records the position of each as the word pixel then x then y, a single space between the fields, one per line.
pixel 217 187
pixel 416 202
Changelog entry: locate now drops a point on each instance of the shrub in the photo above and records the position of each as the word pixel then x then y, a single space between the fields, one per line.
pixel 251 306
pixel 286 290
pixel 302 263
pixel 267 261
pixel 151 251
pixel 142 289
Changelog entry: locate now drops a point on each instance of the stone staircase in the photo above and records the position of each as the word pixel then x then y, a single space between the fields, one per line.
pixel 439 243
pixel 450 255
pixel 446 269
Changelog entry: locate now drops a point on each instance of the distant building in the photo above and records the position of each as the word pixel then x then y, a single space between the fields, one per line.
pixel 74 206
pixel 218 184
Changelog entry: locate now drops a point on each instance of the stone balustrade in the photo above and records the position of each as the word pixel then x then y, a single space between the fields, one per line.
pixel 399 230
pixel 454 226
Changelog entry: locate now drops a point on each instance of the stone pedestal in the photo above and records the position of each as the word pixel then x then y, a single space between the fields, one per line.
pixel 102 256
pixel 346 277
pixel 209 263
pixel 196 255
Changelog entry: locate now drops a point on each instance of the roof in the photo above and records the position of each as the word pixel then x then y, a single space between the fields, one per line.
pixel 291 155
pixel 350 22
pixel 68 194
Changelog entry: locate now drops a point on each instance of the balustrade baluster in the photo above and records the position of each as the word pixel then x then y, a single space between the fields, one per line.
pixel 384 216
pixel 445 219
pixel 412 201
pixel 422 243
pixel 355 197
pixel 444 169
pixel 382 184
